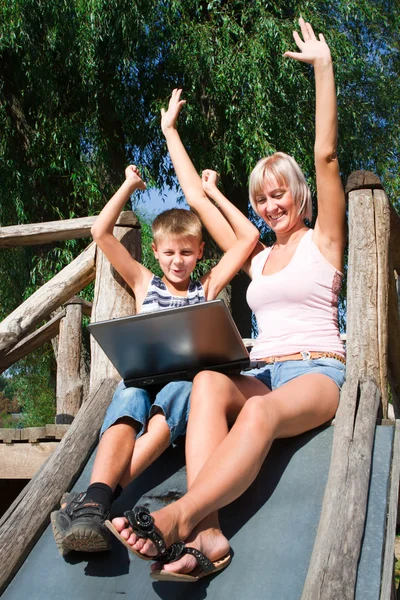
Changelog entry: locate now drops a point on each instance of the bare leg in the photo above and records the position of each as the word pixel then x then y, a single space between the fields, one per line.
pixel 147 448
pixel 114 452
pixel 300 405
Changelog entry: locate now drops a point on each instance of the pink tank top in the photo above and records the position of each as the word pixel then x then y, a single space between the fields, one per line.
pixel 296 308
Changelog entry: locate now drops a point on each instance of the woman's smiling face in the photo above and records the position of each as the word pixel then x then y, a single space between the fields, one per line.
pixel 276 206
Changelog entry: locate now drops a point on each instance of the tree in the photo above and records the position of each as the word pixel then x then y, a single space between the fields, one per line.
pixel 82 84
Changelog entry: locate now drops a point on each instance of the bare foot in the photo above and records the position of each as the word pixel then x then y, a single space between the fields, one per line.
pixel 211 542
pixel 169 521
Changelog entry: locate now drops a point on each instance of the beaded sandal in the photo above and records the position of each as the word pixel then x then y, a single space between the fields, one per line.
pixel 142 524
pixel 204 567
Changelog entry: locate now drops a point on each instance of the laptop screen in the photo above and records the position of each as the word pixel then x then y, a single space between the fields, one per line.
pixel 172 344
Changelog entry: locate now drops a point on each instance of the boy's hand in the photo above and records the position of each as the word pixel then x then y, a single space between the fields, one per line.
pixel 132 175
pixel 209 179
pixel 170 117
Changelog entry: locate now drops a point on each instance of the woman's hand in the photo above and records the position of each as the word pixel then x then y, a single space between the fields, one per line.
pixel 209 180
pixel 313 51
pixel 170 117
pixel 132 175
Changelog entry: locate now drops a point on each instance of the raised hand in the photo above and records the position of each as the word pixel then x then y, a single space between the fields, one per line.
pixel 209 180
pixel 170 117
pixel 132 174
pixel 312 49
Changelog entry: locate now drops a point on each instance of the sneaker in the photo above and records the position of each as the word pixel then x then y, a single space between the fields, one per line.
pixel 80 525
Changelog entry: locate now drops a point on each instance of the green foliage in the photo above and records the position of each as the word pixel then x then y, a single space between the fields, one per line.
pixel 81 85
pixel 32 382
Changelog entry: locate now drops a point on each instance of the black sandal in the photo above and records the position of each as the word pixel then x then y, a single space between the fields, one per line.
pixel 204 565
pixel 142 524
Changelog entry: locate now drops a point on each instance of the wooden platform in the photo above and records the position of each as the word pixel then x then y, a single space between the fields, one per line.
pixel 23 451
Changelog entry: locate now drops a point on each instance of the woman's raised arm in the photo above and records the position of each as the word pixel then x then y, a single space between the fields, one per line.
pixel 330 225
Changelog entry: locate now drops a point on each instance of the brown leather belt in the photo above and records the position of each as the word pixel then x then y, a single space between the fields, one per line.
pixel 306 355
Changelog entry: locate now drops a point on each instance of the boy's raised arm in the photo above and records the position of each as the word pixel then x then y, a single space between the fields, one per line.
pixel 189 180
pixel 135 274
pixel 247 236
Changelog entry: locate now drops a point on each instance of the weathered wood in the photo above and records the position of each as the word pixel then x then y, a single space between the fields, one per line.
pixel 382 233
pixel 112 298
pixel 333 566
pixel 394 346
pixel 360 180
pixel 50 296
pixel 56 431
pixel 22 461
pixel 69 385
pixel 33 434
pixel 395 238
pixel 31 342
pixel 45 233
pixel 28 516
pixel 86 306
pixel 8 435
pixel 389 556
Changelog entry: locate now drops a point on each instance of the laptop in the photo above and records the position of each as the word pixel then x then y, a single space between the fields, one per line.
pixel 172 344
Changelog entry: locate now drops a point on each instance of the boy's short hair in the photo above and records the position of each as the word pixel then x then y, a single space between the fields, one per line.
pixel 286 172
pixel 177 222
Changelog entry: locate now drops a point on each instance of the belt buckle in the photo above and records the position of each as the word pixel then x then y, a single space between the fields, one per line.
pixel 306 354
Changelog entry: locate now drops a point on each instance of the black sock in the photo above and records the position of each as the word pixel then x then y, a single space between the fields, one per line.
pixel 101 493
pixel 117 492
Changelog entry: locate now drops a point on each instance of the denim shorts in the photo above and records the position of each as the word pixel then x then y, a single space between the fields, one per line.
pixel 141 404
pixel 278 373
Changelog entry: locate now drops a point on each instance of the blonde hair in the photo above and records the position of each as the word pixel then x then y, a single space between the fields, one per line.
pixel 287 172
pixel 176 222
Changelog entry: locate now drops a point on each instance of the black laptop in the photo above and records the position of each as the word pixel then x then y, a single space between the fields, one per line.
pixel 172 344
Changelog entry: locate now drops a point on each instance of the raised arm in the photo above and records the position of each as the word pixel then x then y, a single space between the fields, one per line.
pixel 246 239
pixel 135 274
pixel 189 179
pixel 330 232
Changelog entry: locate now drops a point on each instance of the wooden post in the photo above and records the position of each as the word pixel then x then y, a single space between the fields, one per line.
pixel 112 298
pixel 333 567
pixel 69 384
pixel 71 280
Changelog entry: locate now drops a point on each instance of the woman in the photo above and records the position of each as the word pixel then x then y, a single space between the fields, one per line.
pixel 294 294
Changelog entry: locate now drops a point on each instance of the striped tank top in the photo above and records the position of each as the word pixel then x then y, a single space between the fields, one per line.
pixel 159 298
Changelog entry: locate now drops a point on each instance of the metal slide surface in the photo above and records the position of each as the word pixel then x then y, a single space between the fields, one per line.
pixel 271 529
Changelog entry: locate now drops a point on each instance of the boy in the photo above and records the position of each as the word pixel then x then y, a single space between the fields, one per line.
pixel 141 423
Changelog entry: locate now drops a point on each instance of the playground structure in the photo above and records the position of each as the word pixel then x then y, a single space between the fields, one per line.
pixel 373 362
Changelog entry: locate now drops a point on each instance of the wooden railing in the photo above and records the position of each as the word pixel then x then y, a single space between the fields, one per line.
pixel 27 517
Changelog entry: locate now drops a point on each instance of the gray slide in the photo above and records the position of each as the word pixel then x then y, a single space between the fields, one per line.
pixel 271 529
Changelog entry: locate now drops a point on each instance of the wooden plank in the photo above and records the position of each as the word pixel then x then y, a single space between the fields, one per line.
pixel 394 346
pixel 69 386
pixel 22 461
pixel 21 525
pixel 56 431
pixel 86 306
pixel 389 555
pixel 382 233
pixel 66 229
pixel 73 278
pixel 7 436
pixel 112 298
pixel 33 434
pixel 31 342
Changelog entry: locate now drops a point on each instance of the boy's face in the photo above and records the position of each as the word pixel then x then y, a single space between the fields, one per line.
pixel 178 257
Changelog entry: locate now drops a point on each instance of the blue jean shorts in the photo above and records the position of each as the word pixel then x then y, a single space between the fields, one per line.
pixel 278 373
pixel 141 404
